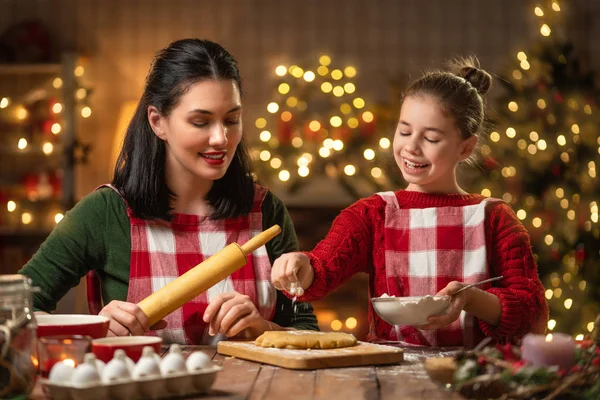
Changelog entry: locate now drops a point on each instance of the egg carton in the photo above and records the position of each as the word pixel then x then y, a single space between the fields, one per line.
pixel 173 385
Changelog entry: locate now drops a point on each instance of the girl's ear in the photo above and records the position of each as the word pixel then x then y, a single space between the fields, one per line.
pixel 156 120
pixel 467 148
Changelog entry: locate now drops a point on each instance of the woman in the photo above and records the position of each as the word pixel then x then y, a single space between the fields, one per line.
pixel 182 190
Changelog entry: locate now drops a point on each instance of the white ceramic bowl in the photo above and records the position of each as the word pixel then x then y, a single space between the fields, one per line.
pixel 413 310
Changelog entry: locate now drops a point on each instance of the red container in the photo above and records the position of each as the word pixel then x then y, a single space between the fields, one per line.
pixel 104 349
pixel 94 326
pixel 69 349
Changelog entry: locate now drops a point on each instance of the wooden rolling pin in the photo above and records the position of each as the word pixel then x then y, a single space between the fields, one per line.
pixel 202 277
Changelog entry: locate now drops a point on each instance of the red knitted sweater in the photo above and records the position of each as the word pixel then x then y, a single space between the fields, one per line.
pixel 355 243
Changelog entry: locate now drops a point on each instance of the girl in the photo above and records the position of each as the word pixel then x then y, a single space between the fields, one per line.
pixel 182 190
pixel 432 237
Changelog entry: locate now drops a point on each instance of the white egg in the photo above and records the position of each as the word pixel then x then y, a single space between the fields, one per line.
pixel 86 373
pixel 100 365
pixel 116 369
pixel 61 372
pixel 147 366
pixel 197 361
pixel 173 362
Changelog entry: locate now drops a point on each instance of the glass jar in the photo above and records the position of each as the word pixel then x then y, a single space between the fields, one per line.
pixel 18 361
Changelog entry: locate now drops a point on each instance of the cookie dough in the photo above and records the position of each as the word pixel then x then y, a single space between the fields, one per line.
pixel 305 340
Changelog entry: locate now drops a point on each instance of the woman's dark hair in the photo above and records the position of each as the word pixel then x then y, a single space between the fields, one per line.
pixel 459 92
pixel 140 170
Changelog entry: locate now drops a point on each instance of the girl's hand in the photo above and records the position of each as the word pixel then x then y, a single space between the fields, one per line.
pixel 127 319
pixel 231 313
pixel 457 304
pixel 291 270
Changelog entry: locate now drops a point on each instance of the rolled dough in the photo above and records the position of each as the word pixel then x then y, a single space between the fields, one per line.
pixel 305 340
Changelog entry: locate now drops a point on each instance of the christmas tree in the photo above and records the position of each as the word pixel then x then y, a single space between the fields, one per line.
pixel 542 159
pixel 317 125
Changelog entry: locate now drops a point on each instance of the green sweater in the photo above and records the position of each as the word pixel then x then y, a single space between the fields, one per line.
pixel 95 235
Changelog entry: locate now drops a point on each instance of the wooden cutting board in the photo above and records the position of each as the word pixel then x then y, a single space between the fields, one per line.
pixel 361 354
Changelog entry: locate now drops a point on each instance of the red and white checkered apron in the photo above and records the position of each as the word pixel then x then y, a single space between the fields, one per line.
pixel 161 251
pixel 425 249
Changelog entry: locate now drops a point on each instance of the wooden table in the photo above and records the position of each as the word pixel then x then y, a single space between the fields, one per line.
pixel 242 379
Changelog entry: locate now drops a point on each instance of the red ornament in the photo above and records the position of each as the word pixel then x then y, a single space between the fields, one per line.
pixel 30 182
pixel 285 132
pixel 56 183
pixel 558 98
pixel 556 170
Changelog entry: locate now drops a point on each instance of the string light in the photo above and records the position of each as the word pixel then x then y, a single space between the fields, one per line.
pixel 297 72
pixel 338 91
pixel 309 76
pixel 338 145
pixel 336 74
pixel 57 108
pixel 376 172
pixel 345 108
pixel 272 107
pixel 324 60
pixel 349 87
pixel 551 324
pixel 510 132
pixel 336 325
pixel 351 323
pixel 26 218
pixel 22 113
pixel 384 143
pixel 326 87
pixel 349 170
pixel 58 217
pixel 283 88
pixel 568 303
pixel 56 128
pixel 281 70
pixel 4 102
pixel 47 148
pixel 284 175
pixel 322 70
pixel 335 121
pixel 22 144
pixel 539 12
pixel 57 83
pixel 265 155
pixel 545 30
pixel 79 71
pixel 11 206
pixel 286 116
pixel 369 154
pixel 358 103
pixel 303 171
pixel 265 136
pixel 350 72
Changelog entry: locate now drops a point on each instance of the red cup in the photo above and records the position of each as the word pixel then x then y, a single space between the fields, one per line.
pixel 69 349
pixel 95 326
pixel 105 348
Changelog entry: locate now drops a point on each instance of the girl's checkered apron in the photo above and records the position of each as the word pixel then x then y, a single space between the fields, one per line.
pixel 425 249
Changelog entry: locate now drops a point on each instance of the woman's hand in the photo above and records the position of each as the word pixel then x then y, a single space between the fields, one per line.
pixel 232 313
pixel 290 270
pixel 127 319
pixel 457 304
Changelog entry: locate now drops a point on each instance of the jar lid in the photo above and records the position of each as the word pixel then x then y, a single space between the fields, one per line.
pixel 15 283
